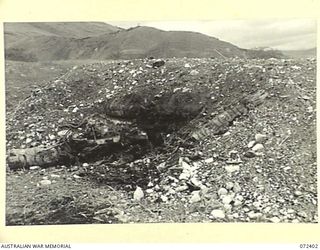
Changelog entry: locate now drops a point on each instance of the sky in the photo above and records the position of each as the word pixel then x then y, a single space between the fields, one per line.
pixel 287 34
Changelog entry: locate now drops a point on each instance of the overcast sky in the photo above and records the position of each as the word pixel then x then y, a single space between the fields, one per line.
pixel 278 34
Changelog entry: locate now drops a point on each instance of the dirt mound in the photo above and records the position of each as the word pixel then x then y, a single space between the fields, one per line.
pixel 250 172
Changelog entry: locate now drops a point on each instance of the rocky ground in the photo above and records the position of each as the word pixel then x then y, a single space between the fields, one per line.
pixel 261 169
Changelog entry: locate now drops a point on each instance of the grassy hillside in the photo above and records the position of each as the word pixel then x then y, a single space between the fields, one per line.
pixel 308 53
pixel 43 42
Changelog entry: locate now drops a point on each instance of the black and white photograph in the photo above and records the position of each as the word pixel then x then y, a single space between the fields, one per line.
pixel 128 122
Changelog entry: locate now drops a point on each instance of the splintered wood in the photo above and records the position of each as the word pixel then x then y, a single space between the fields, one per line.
pixel 74 148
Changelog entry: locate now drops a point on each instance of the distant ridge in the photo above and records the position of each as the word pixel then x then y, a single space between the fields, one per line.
pixel 98 40
pixel 306 53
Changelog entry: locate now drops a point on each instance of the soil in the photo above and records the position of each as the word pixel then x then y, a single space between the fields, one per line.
pixel 218 178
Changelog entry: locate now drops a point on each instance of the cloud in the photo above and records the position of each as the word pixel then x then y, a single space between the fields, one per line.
pixel 279 34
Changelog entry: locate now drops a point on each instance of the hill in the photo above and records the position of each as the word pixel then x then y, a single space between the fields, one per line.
pixel 307 53
pixel 65 41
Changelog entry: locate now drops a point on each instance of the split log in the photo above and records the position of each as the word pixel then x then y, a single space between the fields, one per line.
pixel 72 150
pixel 221 122
pixel 128 137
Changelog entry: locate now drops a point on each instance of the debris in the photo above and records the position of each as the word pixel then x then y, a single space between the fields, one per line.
pixel 229 185
pixel 260 138
pixel 195 197
pixel 34 167
pixel 194 72
pixel 158 63
pixel 257 147
pixel 54 176
pixel 45 182
pixel 249 154
pixel 222 191
pixel 209 160
pixel 218 213
pixel 227 199
pixel 297 193
pixel 181 188
pixel 232 168
pixel 138 194
pixel 254 215
pixel 275 219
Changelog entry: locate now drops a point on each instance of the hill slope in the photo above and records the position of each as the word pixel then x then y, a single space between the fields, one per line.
pixel 307 53
pixel 69 41
pixel 62 41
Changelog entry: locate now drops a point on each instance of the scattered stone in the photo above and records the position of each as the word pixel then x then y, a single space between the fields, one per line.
pixel 236 187
pixel 76 109
pixel 184 176
pixel 54 176
pixel 305 97
pixel 290 211
pixel 28 140
pixel 194 72
pixel 52 137
pixel 195 197
pixel 34 167
pixel 158 63
pixel 45 182
pixel 237 203
pixel 138 194
pixel 254 215
pixel 275 219
pixel 251 144
pixel 209 160
pixel 62 133
pixel 232 168
pixel 161 166
pixel 295 221
pixel 256 204
pixel 149 190
pixel 164 198
pixel 229 185
pixel 297 193
pixel 196 182
pixel 222 191
pixel 257 147
pixel 182 188
pixel 249 154
pixel 85 165
pixel 76 176
pixel 239 197
pixel 235 215
pixel 302 214
pixel 260 138
pixel 218 213
pixel 122 217
pixel 227 207
pixel 187 65
pixel 227 199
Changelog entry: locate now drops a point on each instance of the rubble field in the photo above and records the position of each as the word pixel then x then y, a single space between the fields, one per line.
pixel 146 142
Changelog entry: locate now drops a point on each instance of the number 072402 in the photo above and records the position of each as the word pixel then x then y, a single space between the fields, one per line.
pixel 312 246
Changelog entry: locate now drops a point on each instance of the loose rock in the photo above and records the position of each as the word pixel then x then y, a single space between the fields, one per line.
pixel 218 213
pixel 257 147
pixel 195 197
pixel 45 182
pixel 138 194
pixel 275 219
pixel 232 168
pixel 222 191
pixel 260 138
